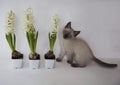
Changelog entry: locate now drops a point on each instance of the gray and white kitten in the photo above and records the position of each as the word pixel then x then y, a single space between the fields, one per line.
pixel 77 50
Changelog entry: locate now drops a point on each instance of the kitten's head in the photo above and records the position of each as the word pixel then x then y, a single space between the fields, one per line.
pixel 69 32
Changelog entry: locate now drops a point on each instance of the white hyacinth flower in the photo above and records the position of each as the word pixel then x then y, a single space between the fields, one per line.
pixel 10 19
pixel 54 24
pixel 28 21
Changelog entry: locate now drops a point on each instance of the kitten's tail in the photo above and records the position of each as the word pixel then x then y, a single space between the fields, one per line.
pixel 104 63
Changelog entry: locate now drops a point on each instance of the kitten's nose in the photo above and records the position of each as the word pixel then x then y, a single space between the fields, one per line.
pixel 65 36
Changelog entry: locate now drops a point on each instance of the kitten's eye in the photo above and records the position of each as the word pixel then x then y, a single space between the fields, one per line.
pixel 65 36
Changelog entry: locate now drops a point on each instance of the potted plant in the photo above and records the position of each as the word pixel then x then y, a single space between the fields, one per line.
pixel 50 56
pixel 17 57
pixel 32 36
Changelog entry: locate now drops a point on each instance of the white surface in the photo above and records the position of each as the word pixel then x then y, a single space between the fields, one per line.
pixel 49 63
pixel 63 74
pixel 98 20
pixel 17 63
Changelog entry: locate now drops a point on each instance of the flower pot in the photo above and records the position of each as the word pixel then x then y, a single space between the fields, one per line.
pixel 17 59
pixel 34 64
pixel 49 60
pixel 49 63
pixel 17 63
pixel 34 61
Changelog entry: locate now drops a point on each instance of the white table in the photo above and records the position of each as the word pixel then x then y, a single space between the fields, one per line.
pixel 63 74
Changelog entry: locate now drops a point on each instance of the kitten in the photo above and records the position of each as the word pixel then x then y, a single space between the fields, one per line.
pixel 77 50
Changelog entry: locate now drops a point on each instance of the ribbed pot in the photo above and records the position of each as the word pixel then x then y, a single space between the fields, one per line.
pixel 17 63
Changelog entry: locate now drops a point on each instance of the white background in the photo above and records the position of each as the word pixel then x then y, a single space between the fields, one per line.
pixel 99 22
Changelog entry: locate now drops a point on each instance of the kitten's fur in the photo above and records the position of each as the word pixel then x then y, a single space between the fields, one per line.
pixel 77 50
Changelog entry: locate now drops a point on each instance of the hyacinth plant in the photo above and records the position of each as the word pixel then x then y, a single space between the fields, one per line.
pixel 10 35
pixel 52 35
pixel 31 33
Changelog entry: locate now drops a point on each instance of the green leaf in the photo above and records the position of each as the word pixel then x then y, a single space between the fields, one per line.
pixel 35 43
pixel 32 40
pixel 52 39
pixel 9 40
pixel 14 44
pixel 31 35
pixel 49 40
pixel 28 39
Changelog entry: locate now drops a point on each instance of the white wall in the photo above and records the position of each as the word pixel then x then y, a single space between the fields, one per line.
pixel 98 20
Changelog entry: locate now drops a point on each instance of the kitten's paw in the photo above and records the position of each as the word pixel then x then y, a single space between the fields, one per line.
pixel 74 65
pixel 68 61
pixel 58 60
pixel 77 65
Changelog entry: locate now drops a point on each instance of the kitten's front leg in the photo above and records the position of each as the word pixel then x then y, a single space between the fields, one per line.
pixel 61 56
pixel 70 58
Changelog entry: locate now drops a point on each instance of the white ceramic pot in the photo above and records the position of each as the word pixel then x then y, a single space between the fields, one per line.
pixel 17 63
pixel 34 64
pixel 49 63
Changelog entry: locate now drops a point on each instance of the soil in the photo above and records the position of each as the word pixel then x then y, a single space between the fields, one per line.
pixel 17 55
pixel 35 56
pixel 49 55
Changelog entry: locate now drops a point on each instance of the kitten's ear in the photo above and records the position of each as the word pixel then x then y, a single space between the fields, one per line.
pixel 68 25
pixel 76 33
